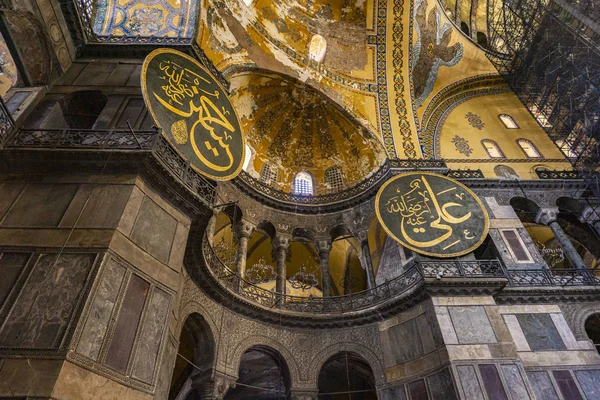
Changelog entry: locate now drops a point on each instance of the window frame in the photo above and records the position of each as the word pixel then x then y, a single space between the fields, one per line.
pixel 509 247
pixel 511 118
pixel 311 180
pixel 533 146
pixel 502 156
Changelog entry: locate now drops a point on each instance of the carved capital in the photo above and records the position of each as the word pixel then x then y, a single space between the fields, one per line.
pixel 244 229
pixel 323 246
pixel 546 216
pixel 362 236
pixel 281 241
pixel 222 384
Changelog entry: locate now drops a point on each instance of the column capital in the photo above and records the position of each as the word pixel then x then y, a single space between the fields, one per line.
pixel 547 215
pixel 362 236
pixel 244 228
pixel 323 245
pixel 281 241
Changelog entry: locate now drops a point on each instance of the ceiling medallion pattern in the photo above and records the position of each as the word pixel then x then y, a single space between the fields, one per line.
pixel 462 145
pixel 475 120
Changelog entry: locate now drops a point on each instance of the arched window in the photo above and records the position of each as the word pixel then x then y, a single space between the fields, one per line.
pixel 508 121
pixel 529 148
pixel 482 39
pixel 317 48
pixel 334 179
pixel 492 148
pixel 303 184
pixel 592 328
pixel 464 27
pixel 268 174
pixel 247 158
pixel 248 3
pixel 505 172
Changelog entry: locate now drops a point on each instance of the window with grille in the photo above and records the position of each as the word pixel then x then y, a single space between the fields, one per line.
pixel 492 148
pixel 508 121
pixel 268 174
pixel 529 148
pixel 303 184
pixel 334 179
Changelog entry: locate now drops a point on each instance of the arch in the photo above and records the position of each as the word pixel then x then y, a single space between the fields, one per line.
pixel 304 184
pixel 526 209
pixel 317 48
pixel 482 40
pixel 492 148
pixel 577 314
pixel 592 329
pixel 375 361
pixel 339 230
pixel 267 227
pixel 465 28
pixel 505 172
pixel 303 233
pixel 346 372
pixel 81 109
pixel 508 121
pixel 264 341
pixel 530 150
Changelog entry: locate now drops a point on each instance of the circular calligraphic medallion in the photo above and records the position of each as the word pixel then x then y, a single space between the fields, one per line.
pixel 431 214
pixel 194 113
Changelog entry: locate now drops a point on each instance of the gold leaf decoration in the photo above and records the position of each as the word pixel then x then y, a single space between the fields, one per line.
pixel 179 131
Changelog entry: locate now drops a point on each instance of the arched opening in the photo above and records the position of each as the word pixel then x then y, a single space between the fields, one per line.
pixel 263 375
pixel 345 266
pixel 81 109
pixel 303 272
pixel 334 179
pixel 225 242
pixel 529 148
pixel 482 40
pixel 386 253
pixel 346 376
pixel 195 360
pixel 492 148
pixel 261 266
pixel 508 121
pixel 465 28
pixel 592 329
pixel 505 172
pixel 317 48
pixel 303 183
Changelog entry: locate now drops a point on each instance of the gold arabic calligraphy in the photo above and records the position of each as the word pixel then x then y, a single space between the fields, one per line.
pixel 182 87
pixel 424 221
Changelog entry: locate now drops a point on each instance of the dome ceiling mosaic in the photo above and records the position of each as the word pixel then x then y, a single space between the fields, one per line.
pixel 295 128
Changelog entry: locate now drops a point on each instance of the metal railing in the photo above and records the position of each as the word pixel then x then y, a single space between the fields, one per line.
pixel 553 277
pixel 151 141
pixel 414 274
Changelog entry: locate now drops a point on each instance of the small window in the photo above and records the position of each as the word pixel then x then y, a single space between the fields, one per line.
pixel 505 172
pixel 482 39
pixel 529 148
pixel 508 121
pixel 248 3
pixel 492 148
pixel 464 27
pixel 317 48
pixel 268 174
pixel 334 179
pixel 247 158
pixel 516 246
pixel 303 184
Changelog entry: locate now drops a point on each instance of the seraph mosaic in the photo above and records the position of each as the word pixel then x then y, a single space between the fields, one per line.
pixel 431 50
pixel 160 18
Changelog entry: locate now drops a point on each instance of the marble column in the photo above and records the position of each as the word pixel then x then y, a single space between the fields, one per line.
pixel 548 217
pixel 280 247
pixel 368 264
pixel 324 248
pixel 210 228
pixel 243 231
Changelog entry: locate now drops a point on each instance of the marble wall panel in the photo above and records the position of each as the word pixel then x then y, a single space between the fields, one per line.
pixel 589 381
pixel 542 385
pixel 103 206
pixel 127 324
pixel 404 342
pixel 472 325
pixel 151 336
pixel 40 205
pixel 9 191
pixel 43 309
pixel 540 332
pixel 11 266
pixel 567 385
pixel 469 382
pixel 441 386
pixel 492 382
pixel 516 386
pixel 418 390
pixel 394 393
pixel 101 310
pixel 154 230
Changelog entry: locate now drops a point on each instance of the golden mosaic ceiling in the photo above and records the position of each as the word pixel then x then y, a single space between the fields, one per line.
pixel 296 128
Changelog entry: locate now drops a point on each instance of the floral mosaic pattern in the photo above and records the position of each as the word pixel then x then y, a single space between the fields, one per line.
pixel 462 145
pixel 475 120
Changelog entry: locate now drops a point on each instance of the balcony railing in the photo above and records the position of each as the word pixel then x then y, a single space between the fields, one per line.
pixel 399 287
pixel 553 277
pixel 150 141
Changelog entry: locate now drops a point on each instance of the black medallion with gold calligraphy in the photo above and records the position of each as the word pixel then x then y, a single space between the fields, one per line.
pixel 432 214
pixel 194 113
